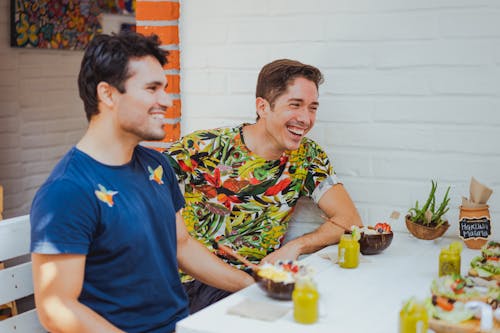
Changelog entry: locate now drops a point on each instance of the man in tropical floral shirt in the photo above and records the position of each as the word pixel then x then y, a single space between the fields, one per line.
pixel 241 184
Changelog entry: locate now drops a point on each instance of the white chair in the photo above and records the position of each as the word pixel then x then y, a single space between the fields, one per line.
pixel 16 281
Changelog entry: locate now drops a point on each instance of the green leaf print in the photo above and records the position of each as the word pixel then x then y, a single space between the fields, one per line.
pixel 251 207
pixel 257 189
pixel 217 208
pixel 246 169
pixel 238 219
pixel 252 252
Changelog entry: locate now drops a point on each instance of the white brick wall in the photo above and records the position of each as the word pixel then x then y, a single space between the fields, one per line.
pixel 412 93
pixel 41 115
pixel 412 89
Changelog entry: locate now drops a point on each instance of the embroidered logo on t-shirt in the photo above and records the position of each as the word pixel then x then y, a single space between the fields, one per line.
pixel 156 174
pixel 105 195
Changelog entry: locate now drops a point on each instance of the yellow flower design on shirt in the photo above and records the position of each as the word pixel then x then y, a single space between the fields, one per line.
pixel 105 195
pixel 156 174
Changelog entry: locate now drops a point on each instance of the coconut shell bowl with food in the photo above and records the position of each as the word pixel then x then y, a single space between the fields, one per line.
pixel 278 280
pixel 375 239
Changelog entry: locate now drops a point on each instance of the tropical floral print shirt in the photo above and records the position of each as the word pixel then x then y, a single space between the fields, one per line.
pixel 240 199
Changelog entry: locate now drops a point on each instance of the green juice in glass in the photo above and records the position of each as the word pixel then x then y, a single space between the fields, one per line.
pixel 348 252
pixel 413 318
pixel 305 301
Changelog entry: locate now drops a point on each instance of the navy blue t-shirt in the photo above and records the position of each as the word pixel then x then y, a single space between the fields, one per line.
pixel 123 219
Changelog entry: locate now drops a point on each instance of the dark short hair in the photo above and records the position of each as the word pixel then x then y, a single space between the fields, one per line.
pixel 106 59
pixel 275 77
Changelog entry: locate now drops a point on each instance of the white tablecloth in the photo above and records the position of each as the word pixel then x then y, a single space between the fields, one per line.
pixel 361 300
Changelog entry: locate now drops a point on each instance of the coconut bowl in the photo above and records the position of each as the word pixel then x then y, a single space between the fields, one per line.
pixel 375 243
pixel 276 290
pixel 424 232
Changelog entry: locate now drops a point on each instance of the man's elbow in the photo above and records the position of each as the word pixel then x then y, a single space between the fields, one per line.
pixel 48 320
pixel 52 316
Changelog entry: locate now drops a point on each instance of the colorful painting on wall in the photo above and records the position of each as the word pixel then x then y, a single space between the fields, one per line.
pixel 118 6
pixel 60 24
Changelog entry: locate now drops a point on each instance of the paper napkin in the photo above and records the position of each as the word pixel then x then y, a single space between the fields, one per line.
pixel 258 310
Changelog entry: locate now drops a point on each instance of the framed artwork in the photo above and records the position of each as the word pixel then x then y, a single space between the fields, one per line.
pixel 117 6
pixel 61 24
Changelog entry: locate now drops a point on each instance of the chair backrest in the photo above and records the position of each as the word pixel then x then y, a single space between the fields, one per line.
pixel 16 281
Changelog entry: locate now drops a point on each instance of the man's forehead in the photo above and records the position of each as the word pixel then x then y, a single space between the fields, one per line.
pixel 301 92
pixel 301 84
pixel 147 70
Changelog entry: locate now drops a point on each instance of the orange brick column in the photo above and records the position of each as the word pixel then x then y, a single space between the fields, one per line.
pixel 161 17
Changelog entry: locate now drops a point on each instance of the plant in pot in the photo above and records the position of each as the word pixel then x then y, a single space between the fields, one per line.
pixel 428 222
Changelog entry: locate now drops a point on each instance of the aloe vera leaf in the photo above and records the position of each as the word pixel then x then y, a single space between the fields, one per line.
pixel 431 195
pixel 443 212
pixel 445 202
pixel 417 211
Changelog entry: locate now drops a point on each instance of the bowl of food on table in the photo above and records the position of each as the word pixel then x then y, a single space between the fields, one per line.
pixel 375 239
pixel 278 280
pixel 460 305
pixel 487 265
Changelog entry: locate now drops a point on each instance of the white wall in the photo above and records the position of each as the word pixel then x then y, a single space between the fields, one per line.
pixel 412 92
pixel 412 89
pixel 41 115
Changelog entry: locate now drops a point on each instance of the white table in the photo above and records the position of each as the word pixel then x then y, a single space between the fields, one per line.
pixel 365 299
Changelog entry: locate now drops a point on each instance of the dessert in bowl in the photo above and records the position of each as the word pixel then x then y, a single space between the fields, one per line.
pixel 278 280
pixel 375 239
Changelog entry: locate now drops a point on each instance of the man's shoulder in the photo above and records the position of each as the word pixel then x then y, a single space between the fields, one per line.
pixel 200 139
pixel 65 167
pixel 209 134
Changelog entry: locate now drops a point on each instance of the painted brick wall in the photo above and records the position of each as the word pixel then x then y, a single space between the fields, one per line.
pixel 161 17
pixel 412 88
pixel 41 115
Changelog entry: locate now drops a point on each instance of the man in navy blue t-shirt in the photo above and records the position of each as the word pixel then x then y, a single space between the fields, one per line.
pixel 107 235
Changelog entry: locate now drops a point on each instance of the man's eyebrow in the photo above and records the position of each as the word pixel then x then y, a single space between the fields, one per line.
pixel 157 83
pixel 301 101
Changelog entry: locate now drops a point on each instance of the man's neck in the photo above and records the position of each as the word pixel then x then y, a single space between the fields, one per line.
pixel 105 146
pixel 260 143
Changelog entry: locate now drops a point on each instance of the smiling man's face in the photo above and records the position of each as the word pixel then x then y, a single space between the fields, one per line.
pixel 292 115
pixel 141 109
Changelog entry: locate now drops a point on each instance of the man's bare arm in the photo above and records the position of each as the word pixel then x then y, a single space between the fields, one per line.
pixel 196 260
pixel 338 206
pixel 58 281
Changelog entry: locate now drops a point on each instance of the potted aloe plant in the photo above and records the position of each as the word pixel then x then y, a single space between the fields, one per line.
pixel 428 221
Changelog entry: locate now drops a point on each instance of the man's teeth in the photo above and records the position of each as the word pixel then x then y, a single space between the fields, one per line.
pixel 296 131
pixel 158 116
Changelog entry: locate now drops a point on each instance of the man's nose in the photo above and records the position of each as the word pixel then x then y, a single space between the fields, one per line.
pixel 303 115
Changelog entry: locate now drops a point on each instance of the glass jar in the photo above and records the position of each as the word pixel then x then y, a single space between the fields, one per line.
pixel 413 318
pixel 348 252
pixel 474 215
pixel 305 301
pixel 449 262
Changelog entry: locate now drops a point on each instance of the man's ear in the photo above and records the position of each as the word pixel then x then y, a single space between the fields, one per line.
pixel 105 94
pixel 262 106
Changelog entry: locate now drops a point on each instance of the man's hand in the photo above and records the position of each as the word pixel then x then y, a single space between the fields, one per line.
pixel 289 251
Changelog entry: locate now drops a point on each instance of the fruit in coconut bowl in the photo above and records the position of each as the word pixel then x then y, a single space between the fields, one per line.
pixel 278 280
pixel 375 239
